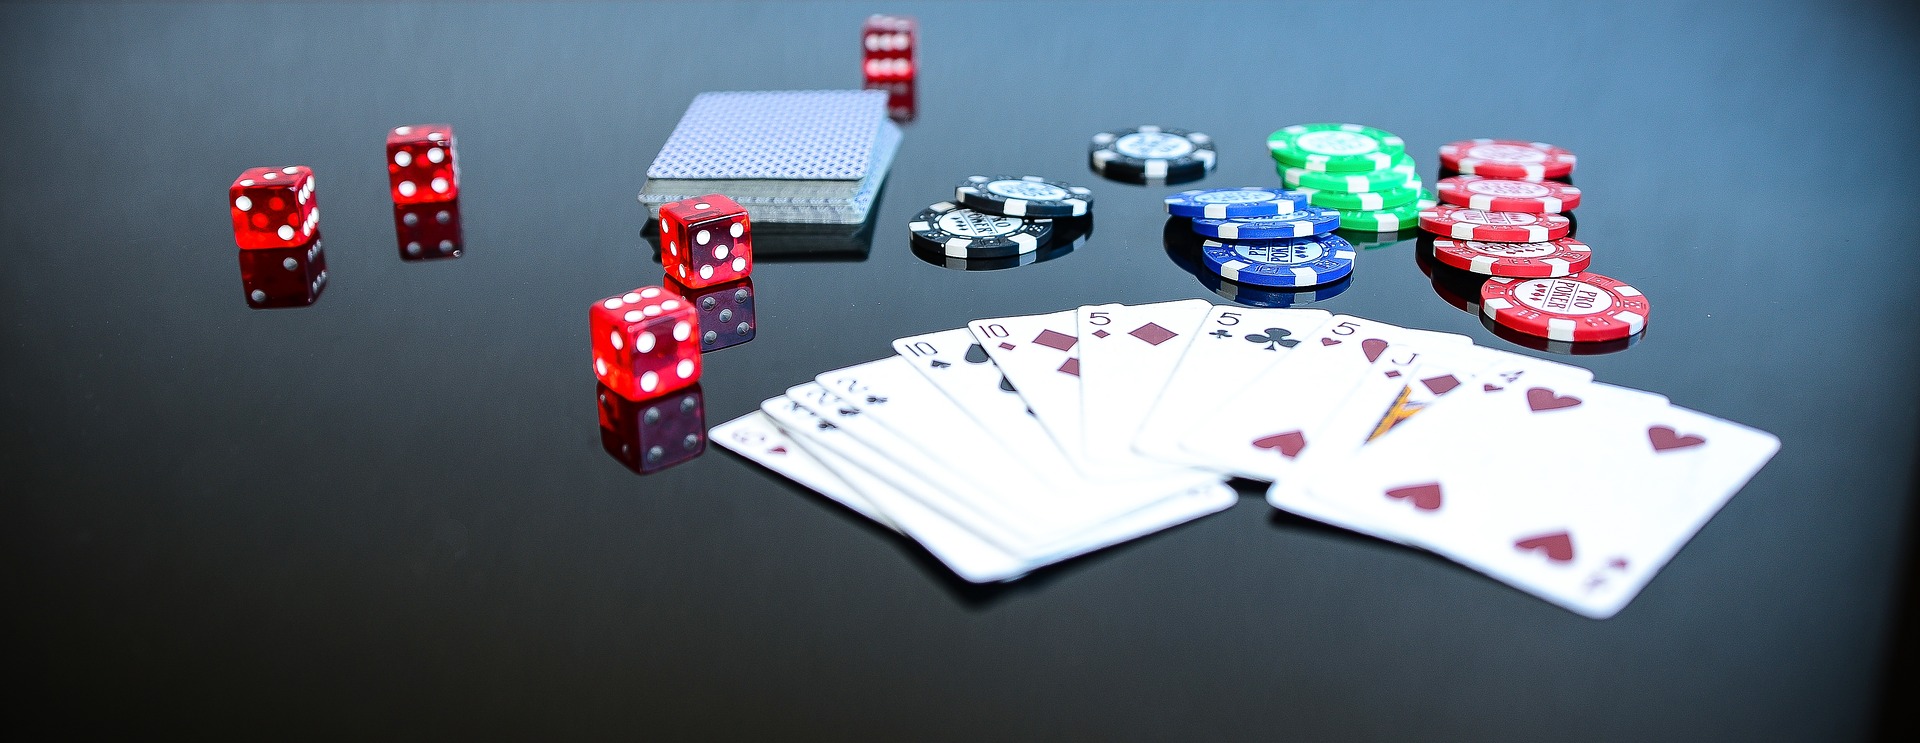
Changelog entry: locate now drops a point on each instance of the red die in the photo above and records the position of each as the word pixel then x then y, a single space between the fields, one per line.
pixel 425 231
pixel 284 277
pixel 274 207
pixel 644 344
pixel 725 310
pixel 887 47
pixel 651 436
pixel 708 240
pixel 421 165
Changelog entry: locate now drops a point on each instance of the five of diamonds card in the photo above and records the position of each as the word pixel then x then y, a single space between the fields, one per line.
pixel 1018 442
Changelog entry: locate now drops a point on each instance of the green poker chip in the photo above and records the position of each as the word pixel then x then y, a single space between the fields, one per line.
pixel 1394 176
pixel 1370 201
pixel 1335 148
pixel 1390 219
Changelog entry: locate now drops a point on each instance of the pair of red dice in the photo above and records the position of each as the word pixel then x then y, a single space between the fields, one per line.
pixel 276 215
pixel 647 342
pixel 278 207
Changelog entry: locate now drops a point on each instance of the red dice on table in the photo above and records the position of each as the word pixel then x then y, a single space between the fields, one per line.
pixel 708 240
pixel 421 165
pixel 656 434
pixel 725 311
pixel 645 343
pixel 274 207
pixel 887 47
pixel 284 277
pixel 430 230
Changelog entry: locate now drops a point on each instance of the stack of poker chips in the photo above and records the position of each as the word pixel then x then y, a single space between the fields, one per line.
pixel 1363 172
pixel 1003 219
pixel 1504 222
pixel 1265 237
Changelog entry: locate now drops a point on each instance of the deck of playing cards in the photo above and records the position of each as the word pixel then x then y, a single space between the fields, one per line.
pixel 1017 442
pixel 794 156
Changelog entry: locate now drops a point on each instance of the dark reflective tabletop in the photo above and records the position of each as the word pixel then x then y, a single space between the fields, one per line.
pixel 392 513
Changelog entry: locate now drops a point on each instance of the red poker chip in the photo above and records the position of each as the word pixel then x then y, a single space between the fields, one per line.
pixel 1579 307
pixel 1461 223
pixel 1507 158
pixel 1508 195
pixel 1535 260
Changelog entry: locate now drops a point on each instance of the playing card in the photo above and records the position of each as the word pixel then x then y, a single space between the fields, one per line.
pixel 1589 529
pixel 954 362
pixel 755 437
pixel 1039 355
pixel 1258 431
pixel 890 487
pixel 1574 491
pixel 1233 345
pixel 1040 506
pixel 937 509
pixel 1375 409
pixel 1126 355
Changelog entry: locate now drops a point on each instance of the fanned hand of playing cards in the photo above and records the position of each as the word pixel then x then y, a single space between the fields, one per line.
pixel 1017 442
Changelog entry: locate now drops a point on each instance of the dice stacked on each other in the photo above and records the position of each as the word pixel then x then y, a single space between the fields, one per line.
pixel 647 343
pixel 1506 218
pixel 889 61
pixel 1363 172
pixel 1264 237
pixel 1000 217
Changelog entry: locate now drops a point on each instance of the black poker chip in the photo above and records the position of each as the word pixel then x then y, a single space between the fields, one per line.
pixel 956 231
pixel 1151 154
pixel 1023 196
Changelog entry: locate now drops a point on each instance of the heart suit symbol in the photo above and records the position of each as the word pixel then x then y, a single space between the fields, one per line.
pixel 1288 444
pixel 1425 497
pixel 1558 546
pixel 1665 438
pixel 1542 399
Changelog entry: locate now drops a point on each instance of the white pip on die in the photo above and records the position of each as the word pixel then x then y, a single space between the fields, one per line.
pixel 706 240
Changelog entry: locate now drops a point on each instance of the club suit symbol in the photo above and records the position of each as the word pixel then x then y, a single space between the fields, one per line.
pixel 1275 338
pixel 1221 334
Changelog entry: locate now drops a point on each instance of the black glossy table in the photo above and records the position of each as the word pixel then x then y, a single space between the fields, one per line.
pixel 389 515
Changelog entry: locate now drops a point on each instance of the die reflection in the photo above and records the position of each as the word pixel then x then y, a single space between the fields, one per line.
pixel 284 277
pixel 902 105
pixel 1068 236
pixel 654 434
pixel 725 311
pixel 428 230
pixel 783 242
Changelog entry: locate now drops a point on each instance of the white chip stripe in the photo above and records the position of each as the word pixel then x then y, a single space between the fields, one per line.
pixel 958 247
pixel 1214 211
pixel 1484 202
pixel 1464 231
pixel 1386 223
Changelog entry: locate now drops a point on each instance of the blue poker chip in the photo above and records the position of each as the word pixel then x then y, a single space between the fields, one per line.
pixel 1291 262
pixel 1306 221
pixel 1259 296
pixel 1246 201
